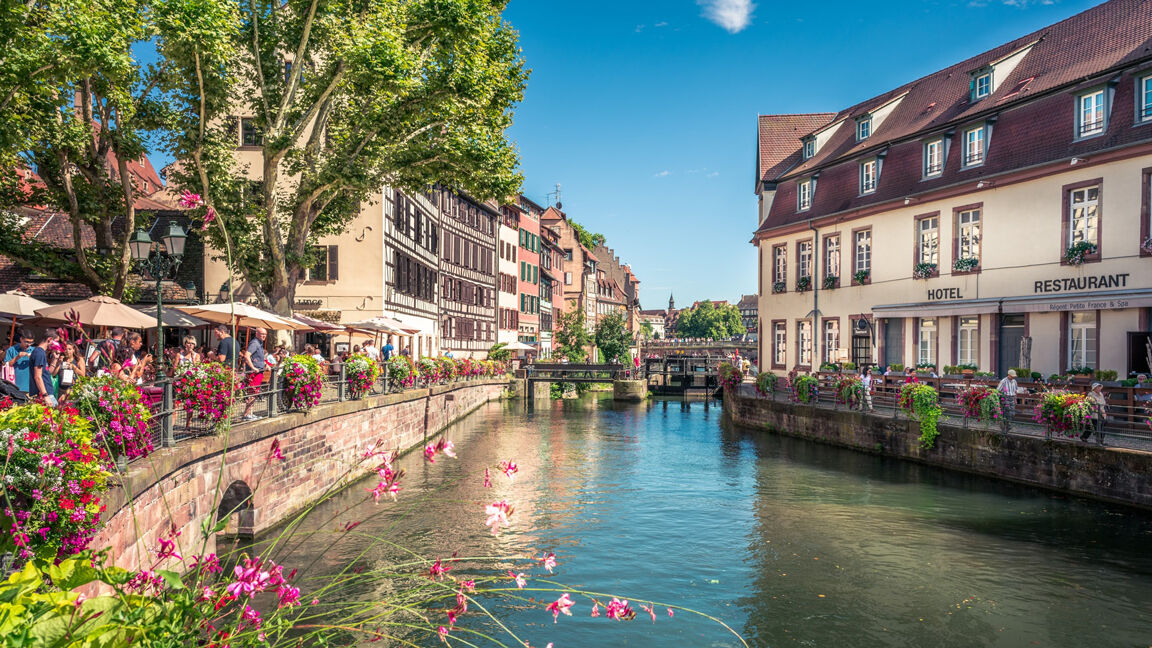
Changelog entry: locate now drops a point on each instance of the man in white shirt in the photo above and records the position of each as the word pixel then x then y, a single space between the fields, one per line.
pixel 1008 390
pixel 369 349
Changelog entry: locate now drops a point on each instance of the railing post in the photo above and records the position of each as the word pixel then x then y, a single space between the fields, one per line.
pixel 167 437
pixel 341 387
pixel 273 392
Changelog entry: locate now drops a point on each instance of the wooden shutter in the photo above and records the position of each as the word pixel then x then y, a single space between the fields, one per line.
pixel 333 263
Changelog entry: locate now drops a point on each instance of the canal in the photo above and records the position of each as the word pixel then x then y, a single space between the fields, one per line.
pixel 785 541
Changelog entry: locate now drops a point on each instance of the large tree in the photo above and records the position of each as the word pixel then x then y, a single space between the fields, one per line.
pixel 76 108
pixel 708 320
pixel 571 338
pixel 612 338
pixel 346 96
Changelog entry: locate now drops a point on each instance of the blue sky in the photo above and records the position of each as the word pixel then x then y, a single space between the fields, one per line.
pixel 645 111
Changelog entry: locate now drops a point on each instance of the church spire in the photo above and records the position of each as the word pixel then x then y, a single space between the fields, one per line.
pixel 671 302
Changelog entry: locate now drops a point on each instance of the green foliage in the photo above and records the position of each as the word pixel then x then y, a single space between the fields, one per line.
pixel 766 383
pixel 1106 374
pixel 896 366
pixel 587 239
pixel 1023 373
pixel 1076 252
pixel 861 276
pixel 803 284
pixel 612 339
pixel 729 376
pixel 924 270
pixel 805 389
pixel 571 339
pixel 498 353
pixel 647 332
pixel 956 370
pixel 848 365
pixel 709 320
pixel 829 366
pixel 923 404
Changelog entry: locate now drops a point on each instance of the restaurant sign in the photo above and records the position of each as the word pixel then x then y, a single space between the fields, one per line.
pixel 1101 282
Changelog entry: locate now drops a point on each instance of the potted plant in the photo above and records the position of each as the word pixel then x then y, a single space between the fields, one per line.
pixel 965 264
pixel 1146 246
pixel 803 284
pixel 1108 377
pixel 925 369
pixel 1077 252
pixel 831 281
pixel 897 368
pixel 861 277
pixel 779 287
pixel 846 367
pixel 924 270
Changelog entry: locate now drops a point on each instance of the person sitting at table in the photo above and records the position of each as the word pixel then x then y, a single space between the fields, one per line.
pixel 122 364
pixel 187 352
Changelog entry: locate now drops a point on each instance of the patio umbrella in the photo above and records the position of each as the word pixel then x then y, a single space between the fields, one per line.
pixel 519 346
pixel 317 324
pixel 382 324
pixel 98 310
pixel 242 314
pixel 18 304
pixel 173 318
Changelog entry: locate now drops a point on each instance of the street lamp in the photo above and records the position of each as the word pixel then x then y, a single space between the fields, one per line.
pixel 160 265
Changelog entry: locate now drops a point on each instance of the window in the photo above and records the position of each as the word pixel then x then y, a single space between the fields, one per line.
pixel 933 158
pixel 568 254
pixel 1084 214
pixel 1082 339
pixel 779 264
pixel 326 266
pixel 779 344
pixel 804 343
pixel 863 254
pixel 926 344
pixel 831 339
pixel 804 259
pixel 928 240
pixel 974 146
pixel 982 85
pixel 968 235
pixel 968 341
pixel 864 128
pixel 868 177
pixel 804 194
pixel 832 256
pixel 809 147
pixel 567 278
pixel 1090 114
pixel 250 133
pixel 1144 98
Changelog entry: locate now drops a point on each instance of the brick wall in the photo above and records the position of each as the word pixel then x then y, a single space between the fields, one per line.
pixel 322 449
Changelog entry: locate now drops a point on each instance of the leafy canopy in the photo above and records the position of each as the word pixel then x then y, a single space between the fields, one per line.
pixel 708 320
pixel 612 339
pixel 571 338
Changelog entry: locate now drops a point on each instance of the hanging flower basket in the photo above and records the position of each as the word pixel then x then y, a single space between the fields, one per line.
pixel 831 282
pixel 1064 412
pixel 1078 252
pixel 119 418
pixel 779 287
pixel 924 270
pixel 361 372
pixel 803 284
pixel 401 372
pixel 766 383
pixel 982 403
pixel 303 383
pixel 966 264
pixel 205 391
pixel 730 376
pixel 805 389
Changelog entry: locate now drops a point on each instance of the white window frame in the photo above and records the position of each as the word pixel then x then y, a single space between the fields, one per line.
pixel 804 195
pixel 933 167
pixel 832 256
pixel 780 344
pixel 926 341
pixel 975 148
pixel 977 95
pixel 780 264
pixel 1091 113
pixel 868 176
pixel 928 240
pixel 1084 215
pixel 831 339
pixel 968 229
pixel 804 343
pixel 1082 339
pixel 862 249
pixel 863 128
pixel 804 259
pixel 809 148
pixel 1144 99
pixel 968 340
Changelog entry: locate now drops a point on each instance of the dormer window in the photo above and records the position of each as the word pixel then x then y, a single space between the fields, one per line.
pixel 933 157
pixel 981 84
pixel 809 147
pixel 804 194
pixel 1090 114
pixel 863 128
pixel 868 173
pixel 975 146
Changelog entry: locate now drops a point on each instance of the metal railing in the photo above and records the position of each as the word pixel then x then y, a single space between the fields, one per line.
pixel 1126 420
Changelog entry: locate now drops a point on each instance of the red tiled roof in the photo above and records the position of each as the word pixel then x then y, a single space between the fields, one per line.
pixel 778 141
pixel 1033 125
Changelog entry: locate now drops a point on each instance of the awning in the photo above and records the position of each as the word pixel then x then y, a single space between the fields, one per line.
pixel 1096 300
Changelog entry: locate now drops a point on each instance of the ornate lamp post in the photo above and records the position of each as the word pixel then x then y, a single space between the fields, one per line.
pixel 160 263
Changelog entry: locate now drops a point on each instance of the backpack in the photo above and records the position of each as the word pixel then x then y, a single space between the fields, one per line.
pixel 105 353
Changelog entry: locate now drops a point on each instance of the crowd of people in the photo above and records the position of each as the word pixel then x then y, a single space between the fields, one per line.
pixel 45 367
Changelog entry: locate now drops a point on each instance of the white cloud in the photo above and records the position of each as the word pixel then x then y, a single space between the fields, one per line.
pixel 713 174
pixel 732 15
pixel 662 174
pixel 661 24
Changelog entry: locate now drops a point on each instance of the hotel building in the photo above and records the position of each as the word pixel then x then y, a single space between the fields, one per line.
pixel 994 213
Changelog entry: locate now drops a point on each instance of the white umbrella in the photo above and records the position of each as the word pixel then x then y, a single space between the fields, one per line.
pixel 242 314
pixel 519 346
pixel 19 304
pixel 173 318
pixel 382 324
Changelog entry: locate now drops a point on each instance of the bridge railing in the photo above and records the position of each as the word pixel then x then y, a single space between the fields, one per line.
pixel 572 372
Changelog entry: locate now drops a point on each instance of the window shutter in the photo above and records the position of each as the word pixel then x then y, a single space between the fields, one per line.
pixel 333 263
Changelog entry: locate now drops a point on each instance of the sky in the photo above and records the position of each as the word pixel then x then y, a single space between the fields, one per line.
pixel 645 111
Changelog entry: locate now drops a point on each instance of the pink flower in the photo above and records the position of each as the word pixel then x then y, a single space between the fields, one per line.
pixel 650 611
pixel 275 452
pixel 549 561
pixel 519 578
pixel 560 605
pixel 446 447
pixel 619 610
pixel 443 632
pixel 436 570
pixel 595 609
pixel 469 585
pixel 188 200
pixel 497 513
pixel 487 479
pixel 209 216
pixel 670 613
pixel 509 468
pixel 430 452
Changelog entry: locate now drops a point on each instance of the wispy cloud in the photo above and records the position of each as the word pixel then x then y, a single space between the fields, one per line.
pixel 713 174
pixel 732 15
pixel 661 24
pixel 662 174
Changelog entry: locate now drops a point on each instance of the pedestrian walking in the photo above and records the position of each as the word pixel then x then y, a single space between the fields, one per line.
pixel 1008 390
pixel 866 381
pixel 41 380
pixel 18 361
pixel 1099 416
pixel 255 363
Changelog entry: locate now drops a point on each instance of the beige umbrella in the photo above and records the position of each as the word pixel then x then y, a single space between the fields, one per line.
pixel 99 310
pixel 381 324
pixel 242 314
pixel 18 304
pixel 173 318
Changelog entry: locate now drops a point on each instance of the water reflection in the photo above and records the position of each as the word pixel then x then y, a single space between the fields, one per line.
pixel 788 541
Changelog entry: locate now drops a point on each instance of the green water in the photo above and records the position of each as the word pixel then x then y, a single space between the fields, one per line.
pixel 787 542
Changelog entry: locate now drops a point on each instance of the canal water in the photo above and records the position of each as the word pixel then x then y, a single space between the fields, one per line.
pixel 786 542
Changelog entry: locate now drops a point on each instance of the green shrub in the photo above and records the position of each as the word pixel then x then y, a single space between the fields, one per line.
pixel 896 367
pixel 1023 373
pixel 1106 374
pixel 848 365
pixel 923 404
pixel 828 366
pixel 766 383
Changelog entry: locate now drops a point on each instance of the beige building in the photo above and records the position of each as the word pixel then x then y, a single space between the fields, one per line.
pixel 994 213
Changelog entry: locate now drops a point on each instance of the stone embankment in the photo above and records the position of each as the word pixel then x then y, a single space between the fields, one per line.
pixel 1118 475
pixel 177 487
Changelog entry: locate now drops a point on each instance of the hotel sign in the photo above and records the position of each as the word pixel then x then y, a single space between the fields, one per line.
pixel 1101 282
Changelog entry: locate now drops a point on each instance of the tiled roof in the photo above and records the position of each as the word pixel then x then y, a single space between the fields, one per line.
pixel 778 141
pixel 748 301
pixel 1033 108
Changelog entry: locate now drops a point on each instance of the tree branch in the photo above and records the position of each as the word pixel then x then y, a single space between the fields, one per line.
pixel 297 67
pixel 256 52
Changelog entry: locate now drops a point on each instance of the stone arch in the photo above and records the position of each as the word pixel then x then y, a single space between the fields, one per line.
pixel 238 497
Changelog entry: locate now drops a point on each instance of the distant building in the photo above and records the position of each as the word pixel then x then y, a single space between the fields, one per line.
pixel 749 306
pixel 508 289
pixel 468 269
pixel 551 273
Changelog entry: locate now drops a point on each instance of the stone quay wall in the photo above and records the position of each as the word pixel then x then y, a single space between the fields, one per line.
pixel 323 450
pixel 1116 475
